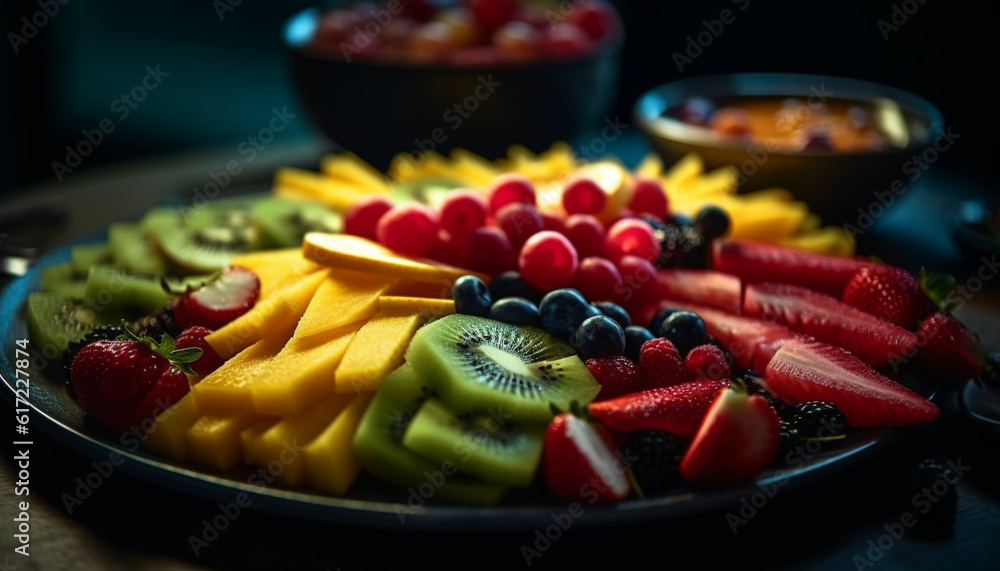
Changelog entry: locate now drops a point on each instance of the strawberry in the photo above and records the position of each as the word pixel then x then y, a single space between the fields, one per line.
pixel 830 320
pixel 617 375
pixel 660 364
pixel 706 362
pixel 803 371
pixel 737 440
pixel 195 337
pixel 948 350
pixel 111 378
pixel 704 287
pixel 581 462
pixel 678 409
pixel 219 301
pixel 754 261
pixel 890 293
pixel 169 388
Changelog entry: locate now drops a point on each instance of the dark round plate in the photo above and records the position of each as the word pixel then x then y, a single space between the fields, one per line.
pixel 371 503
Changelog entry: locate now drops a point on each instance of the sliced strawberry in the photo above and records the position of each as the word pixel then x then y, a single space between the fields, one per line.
pixel 704 287
pixel 803 371
pixel 678 409
pixel 735 443
pixel 830 320
pixel 890 293
pixel 220 301
pixel 195 337
pixel 169 388
pixel 758 262
pixel 581 463
pixel 948 350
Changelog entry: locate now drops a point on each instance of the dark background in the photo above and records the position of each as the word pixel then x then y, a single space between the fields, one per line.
pixel 226 76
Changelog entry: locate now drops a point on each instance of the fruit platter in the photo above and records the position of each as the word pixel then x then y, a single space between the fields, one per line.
pixel 476 344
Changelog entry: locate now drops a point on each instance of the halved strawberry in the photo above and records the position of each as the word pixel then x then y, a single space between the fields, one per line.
pixel 948 350
pixel 803 371
pixel 736 441
pixel 830 320
pixel 890 293
pixel 581 463
pixel 220 301
pixel 758 262
pixel 195 337
pixel 678 409
pixel 169 388
pixel 704 287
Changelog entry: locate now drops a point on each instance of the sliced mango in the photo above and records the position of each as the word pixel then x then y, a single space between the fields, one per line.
pixel 336 194
pixel 423 306
pixel 215 440
pixel 281 447
pixel 275 312
pixel 168 436
pixel 376 350
pixel 651 166
pixel 330 461
pixel 722 180
pixel 349 168
pixel 344 297
pixel 690 166
pixel 276 268
pixel 410 288
pixel 357 254
pixel 250 441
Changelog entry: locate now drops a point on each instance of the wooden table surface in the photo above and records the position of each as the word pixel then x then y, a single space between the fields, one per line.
pixel 841 521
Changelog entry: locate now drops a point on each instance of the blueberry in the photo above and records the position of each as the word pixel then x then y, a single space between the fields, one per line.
pixel 614 311
pixel 714 222
pixel 635 336
pixel 659 318
pixel 515 310
pixel 471 296
pixel 511 284
pixel 598 336
pixel 685 330
pixel 563 310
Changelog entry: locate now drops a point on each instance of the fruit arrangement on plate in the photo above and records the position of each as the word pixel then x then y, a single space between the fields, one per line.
pixel 579 328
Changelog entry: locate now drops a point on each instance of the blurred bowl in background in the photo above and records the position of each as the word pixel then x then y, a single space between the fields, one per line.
pixel 378 109
pixel 837 144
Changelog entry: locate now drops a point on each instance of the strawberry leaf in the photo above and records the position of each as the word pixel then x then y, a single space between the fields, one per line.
pixel 938 287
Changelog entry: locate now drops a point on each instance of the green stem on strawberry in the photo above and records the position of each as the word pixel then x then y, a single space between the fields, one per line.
pixel 180 358
pixel 938 287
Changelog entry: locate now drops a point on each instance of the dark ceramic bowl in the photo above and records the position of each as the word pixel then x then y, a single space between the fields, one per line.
pixel 379 109
pixel 834 184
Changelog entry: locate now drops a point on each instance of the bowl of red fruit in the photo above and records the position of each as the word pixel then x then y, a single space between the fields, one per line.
pixel 417 76
pixel 838 144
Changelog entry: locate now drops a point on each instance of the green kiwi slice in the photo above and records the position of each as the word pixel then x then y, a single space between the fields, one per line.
pixel 55 320
pixel 85 255
pixel 378 445
pixel 132 250
pixel 205 250
pixel 63 279
pixel 487 444
pixel 282 222
pixel 112 291
pixel 479 363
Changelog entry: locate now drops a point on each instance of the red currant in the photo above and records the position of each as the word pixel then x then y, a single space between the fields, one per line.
pixel 649 197
pixel 598 280
pixel 409 229
pixel 487 251
pixel 519 221
pixel 462 212
pixel 586 233
pixel 548 260
pixel 632 236
pixel 363 216
pixel 510 187
pixel 583 196
pixel 638 277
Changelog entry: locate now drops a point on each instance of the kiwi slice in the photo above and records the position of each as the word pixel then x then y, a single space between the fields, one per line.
pixel 86 255
pixel 63 279
pixel 132 250
pixel 378 445
pixel 112 291
pixel 480 363
pixel 205 250
pixel 487 444
pixel 55 320
pixel 283 222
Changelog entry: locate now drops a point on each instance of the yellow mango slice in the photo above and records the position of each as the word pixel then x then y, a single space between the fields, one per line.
pixel 215 440
pixel 376 350
pixel 425 307
pixel 768 221
pixel 281 447
pixel 410 288
pixel 344 297
pixel 831 240
pixel 348 167
pixel 250 441
pixel 475 168
pixel 651 166
pixel 275 312
pixel 338 195
pixel 690 166
pixel 276 268
pixel 357 254
pixel 330 461
pixel 722 180
pixel 168 435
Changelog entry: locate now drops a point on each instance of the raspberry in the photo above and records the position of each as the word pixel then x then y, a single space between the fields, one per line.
pixel 617 375
pixel 660 364
pixel 706 362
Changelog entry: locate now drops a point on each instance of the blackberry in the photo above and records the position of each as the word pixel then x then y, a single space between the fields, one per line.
pixel 683 245
pixel 788 442
pixel 818 419
pixel 99 333
pixel 753 382
pixel 654 458
pixel 930 485
pixel 157 324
